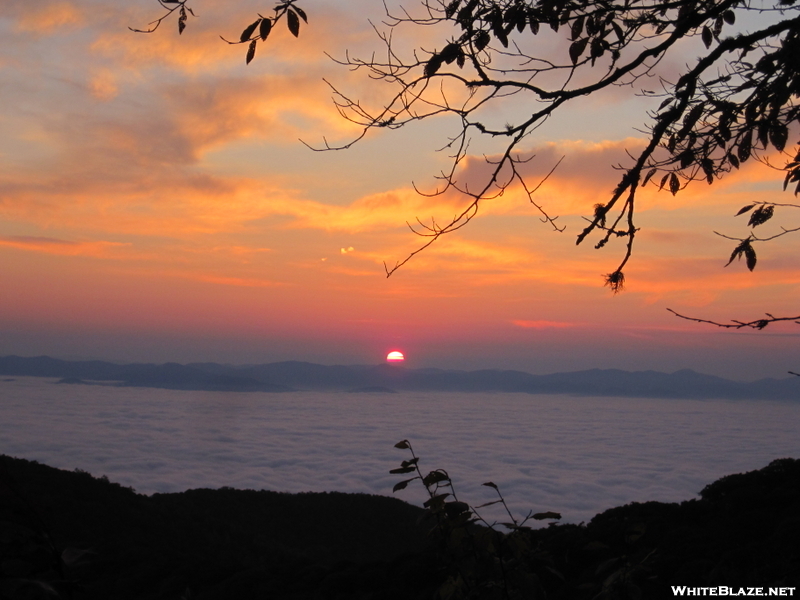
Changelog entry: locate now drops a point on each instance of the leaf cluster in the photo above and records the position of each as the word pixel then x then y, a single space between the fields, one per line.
pixel 259 30
pixel 760 213
pixel 745 249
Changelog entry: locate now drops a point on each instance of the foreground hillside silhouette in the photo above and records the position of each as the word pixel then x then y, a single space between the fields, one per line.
pixel 68 534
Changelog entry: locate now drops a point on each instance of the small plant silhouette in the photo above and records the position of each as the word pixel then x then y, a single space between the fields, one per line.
pixel 479 560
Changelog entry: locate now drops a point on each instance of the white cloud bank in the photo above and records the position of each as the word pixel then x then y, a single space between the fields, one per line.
pixel 577 456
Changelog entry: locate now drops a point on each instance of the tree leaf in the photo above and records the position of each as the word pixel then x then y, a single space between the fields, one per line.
pixel 264 30
pixel 750 257
pixel 692 117
pixel 673 140
pixel 465 17
pixel 793 174
pixel 521 21
pixel 649 175
pixel 402 470
pixel 450 53
pixel 763 133
pixel 718 27
pixel 686 157
pixel 482 40
pixel 248 31
pixel 729 16
pixel 490 484
pixel 434 477
pixel 674 184
pixel 433 65
pixel 708 37
pixel 760 216
pixel 502 37
pixel 451 9
pixel 403 445
pixel 743 248
pixel 456 508
pixel 778 135
pixel 745 145
pixel 598 48
pixel 435 500
pixel 401 485
pixel 546 515
pixel 182 21
pixel 251 51
pixel 300 12
pixel 489 503
pixel 591 26
pixel 577 27
pixel 745 209
pixel 293 22
pixel 708 168
pixel 618 30
pixel 576 49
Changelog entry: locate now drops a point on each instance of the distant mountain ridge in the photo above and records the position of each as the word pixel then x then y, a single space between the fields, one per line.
pixel 295 375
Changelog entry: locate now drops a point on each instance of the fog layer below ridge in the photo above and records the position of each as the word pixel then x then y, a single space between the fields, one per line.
pixel 575 455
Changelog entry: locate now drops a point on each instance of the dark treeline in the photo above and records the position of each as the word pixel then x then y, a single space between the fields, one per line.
pixel 70 535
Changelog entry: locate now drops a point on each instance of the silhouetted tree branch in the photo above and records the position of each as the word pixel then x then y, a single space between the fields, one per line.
pixel 171 6
pixel 758 324
pixel 760 213
pixel 736 102
pixel 733 324
pixel 257 31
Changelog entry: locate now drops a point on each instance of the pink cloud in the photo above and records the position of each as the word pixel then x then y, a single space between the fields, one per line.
pixel 49 245
pixel 543 324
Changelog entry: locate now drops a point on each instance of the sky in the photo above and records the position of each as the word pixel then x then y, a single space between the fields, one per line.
pixel 157 204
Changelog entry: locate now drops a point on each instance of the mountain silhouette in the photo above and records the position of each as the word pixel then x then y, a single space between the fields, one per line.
pixel 296 375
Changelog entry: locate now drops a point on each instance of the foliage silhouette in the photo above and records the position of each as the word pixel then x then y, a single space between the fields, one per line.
pixel 221 544
pixel 215 543
pixel 736 102
pixel 479 560
pixel 625 553
pixel 255 32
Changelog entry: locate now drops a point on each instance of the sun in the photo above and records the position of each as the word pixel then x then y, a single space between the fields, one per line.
pixel 395 356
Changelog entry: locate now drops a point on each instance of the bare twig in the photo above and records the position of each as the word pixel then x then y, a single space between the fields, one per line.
pixel 734 324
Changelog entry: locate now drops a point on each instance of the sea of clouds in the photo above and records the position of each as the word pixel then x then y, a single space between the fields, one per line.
pixel 574 455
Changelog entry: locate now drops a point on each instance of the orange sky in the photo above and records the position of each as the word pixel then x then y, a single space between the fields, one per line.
pixel 156 204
